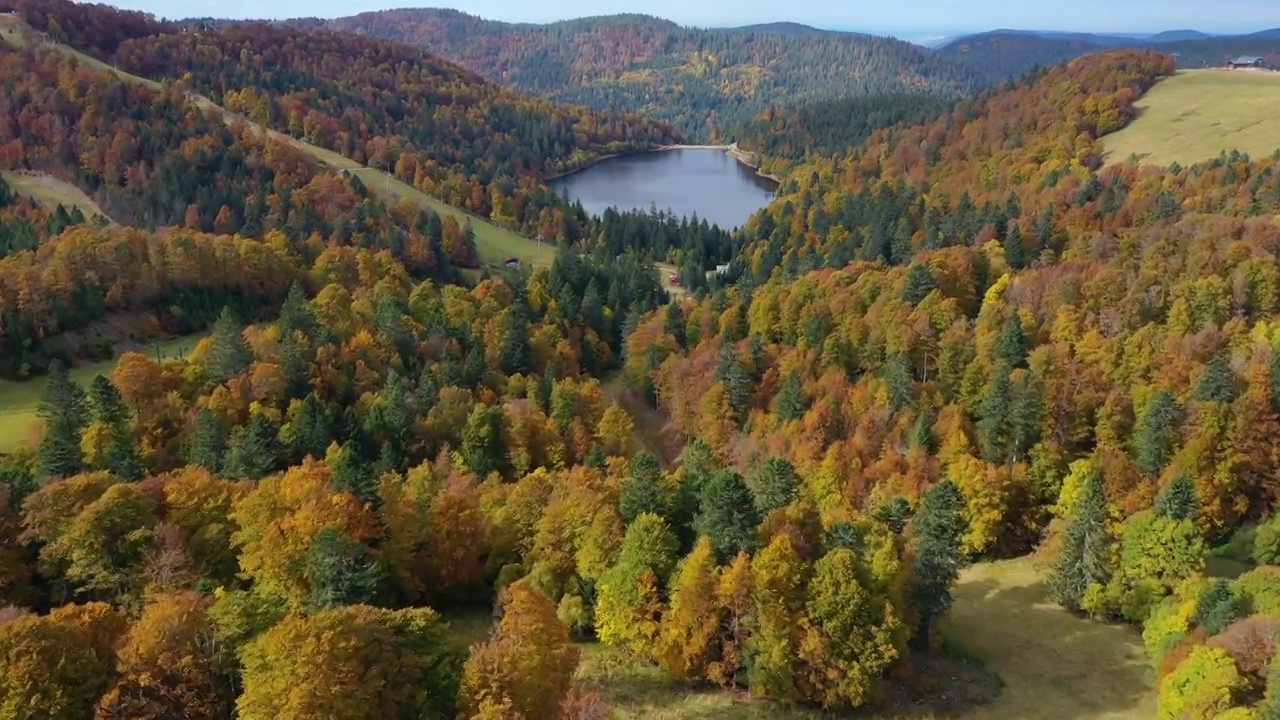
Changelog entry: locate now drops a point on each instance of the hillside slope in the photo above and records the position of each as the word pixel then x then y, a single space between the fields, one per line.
pixel 1002 54
pixel 701 80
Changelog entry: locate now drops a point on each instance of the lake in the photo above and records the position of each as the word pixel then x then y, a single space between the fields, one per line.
pixel 705 181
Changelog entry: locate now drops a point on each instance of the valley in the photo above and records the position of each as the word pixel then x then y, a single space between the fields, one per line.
pixel 428 399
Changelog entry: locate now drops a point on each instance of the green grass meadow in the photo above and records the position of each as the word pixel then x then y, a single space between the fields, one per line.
pixel 18 400
pixel 1197 114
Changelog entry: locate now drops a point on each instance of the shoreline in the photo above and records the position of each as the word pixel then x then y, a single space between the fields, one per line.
pixel 731 150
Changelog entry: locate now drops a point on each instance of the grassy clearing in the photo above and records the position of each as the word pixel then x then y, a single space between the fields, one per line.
pixel 1053 666
pixel 18 400
pixel 1197 114
pixel 51 192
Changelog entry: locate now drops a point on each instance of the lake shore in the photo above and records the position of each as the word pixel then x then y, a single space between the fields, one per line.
pixel 731 150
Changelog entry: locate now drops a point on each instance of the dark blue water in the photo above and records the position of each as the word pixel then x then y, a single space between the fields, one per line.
pixel 686 181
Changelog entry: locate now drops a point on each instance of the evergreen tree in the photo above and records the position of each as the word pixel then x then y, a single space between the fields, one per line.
pixel 1015 253
pixel 340 572
pixel 482 448
pixel 993 417
pixel 295 314
pixel 309 433
pixel 790 403
pixel 1082 559
pixel 1178 499
pixel 252 451
pixel 1156 432
pixel 919 284
pixel 776 485
pixel 295 363
pixel 895 513
pixel 513 350
pixel 673 323
pixel 727 515
pixel 207 445
pixel 122 458
pixel 1217 384
pixel 1217 606
pixel 351 474
pixel 737 383
pixel 65 416
pixel 642 491
pixel 1011 346
pixel 936 533
pixel 900 381
pixel 229 352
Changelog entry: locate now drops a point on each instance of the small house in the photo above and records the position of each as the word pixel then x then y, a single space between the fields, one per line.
pixel 512 262
pixel 1247 61
pixel 722 269
pixel 673 279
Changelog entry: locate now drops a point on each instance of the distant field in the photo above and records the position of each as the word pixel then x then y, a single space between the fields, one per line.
pixel 51 192
pixel 1196 114
pixel 1053 666
pixel 18 400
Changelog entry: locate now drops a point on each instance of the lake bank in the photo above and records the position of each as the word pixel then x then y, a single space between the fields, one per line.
pixel 731 150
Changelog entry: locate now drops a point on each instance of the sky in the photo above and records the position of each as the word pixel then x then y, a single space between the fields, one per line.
pixel 916 18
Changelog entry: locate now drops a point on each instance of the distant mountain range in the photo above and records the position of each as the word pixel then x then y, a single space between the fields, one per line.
pixel 702 80
pixel 1001 54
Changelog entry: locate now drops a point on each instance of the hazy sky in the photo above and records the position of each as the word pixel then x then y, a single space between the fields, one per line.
pixel 899 16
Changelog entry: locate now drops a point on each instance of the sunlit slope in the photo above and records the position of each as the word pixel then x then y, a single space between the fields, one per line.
pixel 494 244
pixel 1197 114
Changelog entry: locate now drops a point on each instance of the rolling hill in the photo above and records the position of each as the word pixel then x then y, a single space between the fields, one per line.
pixel 701 80
pixel 1002 54
pixel 1197 115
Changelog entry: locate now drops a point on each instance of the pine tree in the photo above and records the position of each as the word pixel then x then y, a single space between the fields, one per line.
pixel 1015 253
pixel 737 383
pixel 919 284
pixel 936 531
pixel 727 515
pixel 309 432
pixel 229 353
pixel 1217 384
pixel 1156 432
pixel 1217 606
pixel 1082 559
pixel 993 417
pixel 513 350
pixel 1178 500
pixel 340 572
pixel 351 474
pixel 1012 346
pixel 295 314
pixel 207 445
pixel 643 491
pixel 65 416
pixel 122 458
pixel 482 448
pixel 775 485
pixel 895 513
pixel 673 323
pixel 252 451
pixel 790 403
pixel 901 384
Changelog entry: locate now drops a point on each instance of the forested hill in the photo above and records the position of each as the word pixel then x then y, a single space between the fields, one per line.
pixel 701 80
pixel 1002 54
pixel 211 158
pixel 1090 354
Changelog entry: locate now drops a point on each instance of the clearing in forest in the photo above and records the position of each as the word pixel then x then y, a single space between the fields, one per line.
pixel 1051 665
pixel 1198 114
pixel 19 399
pixel 51 192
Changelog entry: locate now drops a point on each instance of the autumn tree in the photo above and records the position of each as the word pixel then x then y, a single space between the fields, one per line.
pixel 779 578
pixel 691 635
pixel 527 665
pixel 629 595
pixel 52 668
pixel 352 662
